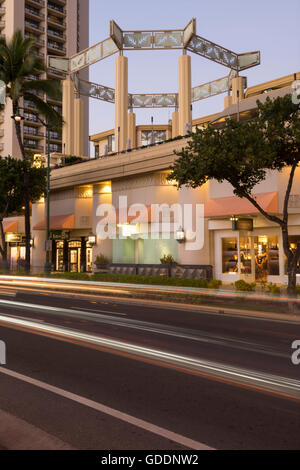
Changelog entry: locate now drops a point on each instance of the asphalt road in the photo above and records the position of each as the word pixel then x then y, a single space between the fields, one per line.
pixel 93 373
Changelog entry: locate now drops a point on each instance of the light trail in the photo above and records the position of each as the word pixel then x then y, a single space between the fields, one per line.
pixel 117 287
pixel 282 386
pixel 105 317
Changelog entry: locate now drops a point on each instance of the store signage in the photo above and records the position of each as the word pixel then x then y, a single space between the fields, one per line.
pixel 13 238
pixel 242 225
pixel 59 235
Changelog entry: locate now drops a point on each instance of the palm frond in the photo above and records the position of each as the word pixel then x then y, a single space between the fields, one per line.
pixel 53 118
pixel 52 88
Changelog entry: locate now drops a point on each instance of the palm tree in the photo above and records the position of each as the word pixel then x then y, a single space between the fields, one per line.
pixel 18 63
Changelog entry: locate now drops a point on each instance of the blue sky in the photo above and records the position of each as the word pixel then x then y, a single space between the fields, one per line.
pixel 271 26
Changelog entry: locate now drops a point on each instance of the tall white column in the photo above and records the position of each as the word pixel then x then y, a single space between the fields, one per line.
pixel 68 117
pixel 185 94
pixel 238 91
pixel 78 127
pixel 132 129
pixel 121 103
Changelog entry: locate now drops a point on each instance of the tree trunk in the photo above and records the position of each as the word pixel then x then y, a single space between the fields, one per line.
pixel 3 248
pixel 292 261
pixel 26 192
pixel 292 279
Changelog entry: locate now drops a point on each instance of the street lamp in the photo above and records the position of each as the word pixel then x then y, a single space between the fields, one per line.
pixel 18 118
pixel 180 235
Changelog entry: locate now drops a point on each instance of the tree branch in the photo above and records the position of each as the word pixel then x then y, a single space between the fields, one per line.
pixel 272 218
pixel 288 193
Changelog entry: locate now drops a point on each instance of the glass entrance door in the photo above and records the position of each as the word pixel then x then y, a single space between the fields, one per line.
pixel 74 260
pixel 74 257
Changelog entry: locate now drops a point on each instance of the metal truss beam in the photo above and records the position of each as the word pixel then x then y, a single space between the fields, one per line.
pixel 154 40
pixel 213 88
pixel 84 59
pixel 155 100
pixel 221 55
pixel 94 90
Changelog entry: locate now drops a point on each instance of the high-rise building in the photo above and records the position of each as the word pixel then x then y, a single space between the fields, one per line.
pixel 60 27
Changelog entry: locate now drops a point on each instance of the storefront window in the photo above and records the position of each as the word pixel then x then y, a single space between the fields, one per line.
pixel 266 251
pixel 294 240
pixel 245 255
pixel 60 256
pixel 230 255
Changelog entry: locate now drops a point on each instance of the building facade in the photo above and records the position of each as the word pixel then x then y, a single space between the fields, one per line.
pixel 208 231
pixel 60 28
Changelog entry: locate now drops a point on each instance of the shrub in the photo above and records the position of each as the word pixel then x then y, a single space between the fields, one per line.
pixel 71 276
pixel 152 280
pixel 214 284
pixel 168 259
pixel 273 288
pixel 242 285
pixel 101 260
pixel 298 290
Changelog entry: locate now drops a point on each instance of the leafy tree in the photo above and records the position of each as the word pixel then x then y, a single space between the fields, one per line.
pixel 18 63
pixel 242 153
pixel 12 191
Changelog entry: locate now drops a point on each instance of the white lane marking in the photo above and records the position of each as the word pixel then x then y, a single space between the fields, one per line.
pixel 243 376
pixel 162 432
pixel 99 311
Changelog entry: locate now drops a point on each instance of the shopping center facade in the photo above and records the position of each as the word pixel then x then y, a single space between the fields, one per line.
pixel 120 204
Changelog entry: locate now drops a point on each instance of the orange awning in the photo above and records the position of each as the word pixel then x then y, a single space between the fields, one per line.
pixel 57 222
pixel 10 226
pixel 115 216
pixel 227 206
pixel 143 214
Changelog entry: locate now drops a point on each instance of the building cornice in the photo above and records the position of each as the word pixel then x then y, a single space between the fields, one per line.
pixel 145 160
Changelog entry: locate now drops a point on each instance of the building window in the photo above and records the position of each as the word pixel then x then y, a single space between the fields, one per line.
pixel 153 137
pixel 294 240
pixel 96 151
pixel 111 143
pixel 230 255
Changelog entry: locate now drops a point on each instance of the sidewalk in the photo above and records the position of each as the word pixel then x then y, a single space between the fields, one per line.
pixel 216 301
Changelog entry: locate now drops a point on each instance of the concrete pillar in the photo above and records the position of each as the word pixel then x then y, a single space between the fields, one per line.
pixel 39 237
pixel 78 127
pixel 175 122
pixel 121 103
pixel 132 129
pixel 185 93
pixel 68 117
pixel 238 91
pixel 101 195
pixel 227 101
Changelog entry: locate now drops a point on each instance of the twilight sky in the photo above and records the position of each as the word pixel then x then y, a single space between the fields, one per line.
pixel 271 26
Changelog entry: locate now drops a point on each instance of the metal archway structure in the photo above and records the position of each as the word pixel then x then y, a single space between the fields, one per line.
pixel 119 41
